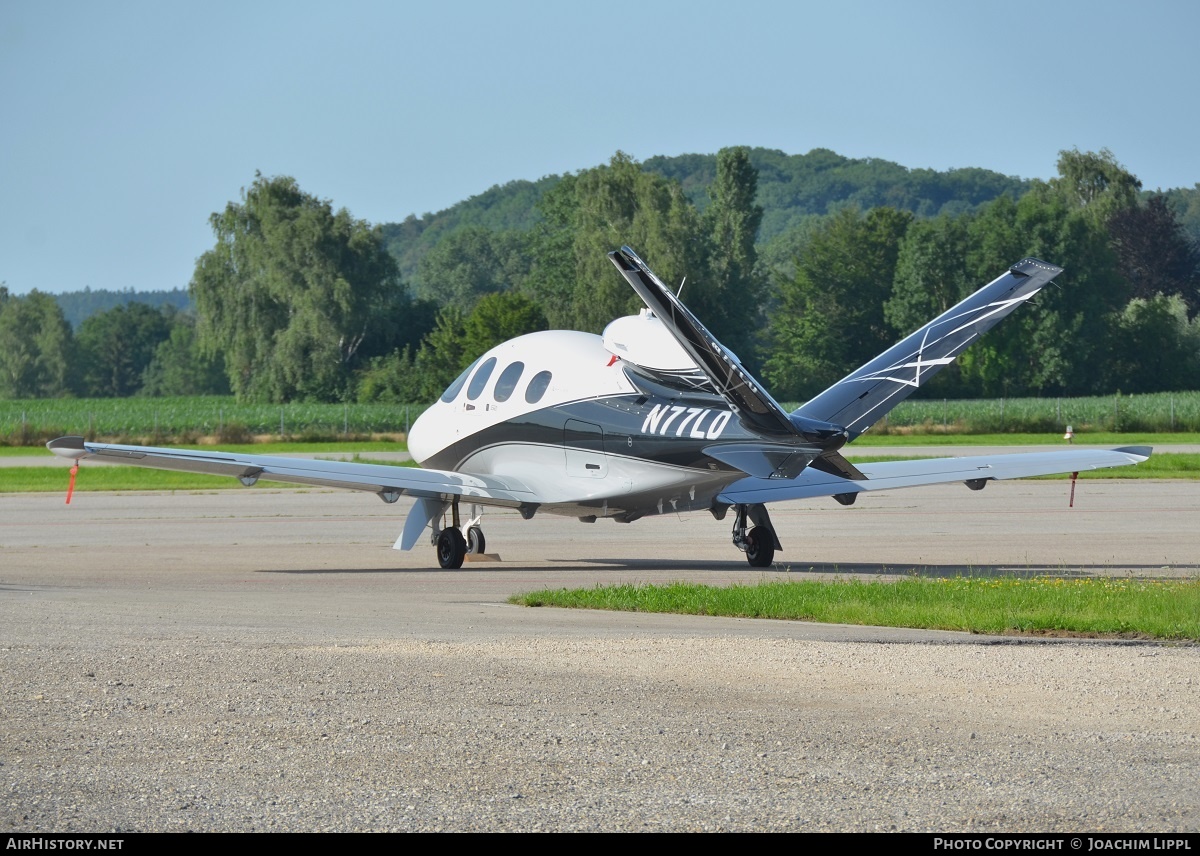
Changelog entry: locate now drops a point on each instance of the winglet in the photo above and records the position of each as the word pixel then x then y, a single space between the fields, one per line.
pixel 1143 452
pixel 69 447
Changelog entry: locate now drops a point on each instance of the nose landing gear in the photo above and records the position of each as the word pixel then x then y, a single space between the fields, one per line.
pixel 476 543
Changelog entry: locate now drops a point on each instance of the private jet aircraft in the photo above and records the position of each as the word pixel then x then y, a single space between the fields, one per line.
pixel 655 416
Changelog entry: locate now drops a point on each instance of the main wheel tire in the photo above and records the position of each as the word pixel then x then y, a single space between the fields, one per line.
pixel 451 548
pixel 760 547
pixel 476 543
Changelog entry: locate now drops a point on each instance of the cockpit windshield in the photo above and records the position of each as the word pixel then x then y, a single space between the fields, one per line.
pixel 455 388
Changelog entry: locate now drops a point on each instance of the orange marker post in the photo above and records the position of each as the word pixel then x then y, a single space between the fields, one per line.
pixel 71 485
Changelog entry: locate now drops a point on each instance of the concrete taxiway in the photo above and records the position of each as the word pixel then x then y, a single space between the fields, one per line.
pixel 261 659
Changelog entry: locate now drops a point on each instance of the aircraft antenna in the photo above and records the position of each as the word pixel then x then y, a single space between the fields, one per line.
pixel 679 293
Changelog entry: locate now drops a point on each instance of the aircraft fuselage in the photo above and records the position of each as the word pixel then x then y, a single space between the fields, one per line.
pixel 602 439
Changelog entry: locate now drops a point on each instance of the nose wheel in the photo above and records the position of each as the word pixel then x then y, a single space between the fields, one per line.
pixel 476 543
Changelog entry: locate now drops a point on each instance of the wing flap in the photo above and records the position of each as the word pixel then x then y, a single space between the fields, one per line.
pixel 896 474
pixel 763 460
pixel 387 481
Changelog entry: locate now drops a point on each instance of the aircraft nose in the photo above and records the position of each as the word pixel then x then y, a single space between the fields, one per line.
pixel 422 440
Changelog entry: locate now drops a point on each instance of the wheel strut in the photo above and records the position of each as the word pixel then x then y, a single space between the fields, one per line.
pixel 761 542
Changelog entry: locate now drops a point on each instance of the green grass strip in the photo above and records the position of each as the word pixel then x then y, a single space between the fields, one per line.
pixel 1098 438
pixel 249 448
pixel 98 478
pixel 1094 607
pixel 1169 465
pixel 111 477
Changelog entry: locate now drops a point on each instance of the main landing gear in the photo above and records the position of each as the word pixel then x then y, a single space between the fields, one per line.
pixel 761 542
pixel 452 544
pixel 451 548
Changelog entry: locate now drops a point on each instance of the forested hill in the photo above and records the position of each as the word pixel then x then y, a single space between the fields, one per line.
pixel 503 208
pixel 314 306
pixel 790 189
pixel 77 306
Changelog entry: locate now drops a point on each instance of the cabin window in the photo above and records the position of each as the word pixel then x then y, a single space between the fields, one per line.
pixel 481 378
pixel 507 381
pixel 537 387
pixel 455 388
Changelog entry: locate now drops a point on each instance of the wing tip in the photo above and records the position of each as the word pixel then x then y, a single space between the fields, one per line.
pixel 1029 266
pixel 72 447
pixel 1143 453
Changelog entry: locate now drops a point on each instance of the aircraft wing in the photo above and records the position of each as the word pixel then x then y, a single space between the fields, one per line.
pixel 897 474
pixel 389 483
pixel 865 395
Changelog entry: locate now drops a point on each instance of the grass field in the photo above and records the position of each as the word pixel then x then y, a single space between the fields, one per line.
pixel 1170 465
pixel 103 477
pixel 1097 438
pixel 274 448
pixel 1160 412
pixel 174 420
pixel 187 419
pixel 1099 607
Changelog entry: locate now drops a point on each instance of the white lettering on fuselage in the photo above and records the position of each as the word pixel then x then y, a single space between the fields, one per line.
pixel 662 417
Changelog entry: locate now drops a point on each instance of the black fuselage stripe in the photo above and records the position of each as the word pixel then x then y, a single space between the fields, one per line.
pixel 619 421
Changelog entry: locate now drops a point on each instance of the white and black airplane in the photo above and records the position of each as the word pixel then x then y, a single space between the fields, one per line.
pixel 653 416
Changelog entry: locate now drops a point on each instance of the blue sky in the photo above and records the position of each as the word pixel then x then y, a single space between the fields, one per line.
pixel 124 125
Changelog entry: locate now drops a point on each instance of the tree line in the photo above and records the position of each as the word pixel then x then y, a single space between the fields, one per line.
pixel 298 301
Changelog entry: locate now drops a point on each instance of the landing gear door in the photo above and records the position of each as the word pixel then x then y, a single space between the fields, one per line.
pixel 583 443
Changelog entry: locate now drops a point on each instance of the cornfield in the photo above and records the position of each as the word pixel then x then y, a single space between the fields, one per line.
pixel 27 422
pixel 33 421
pixel 1155 412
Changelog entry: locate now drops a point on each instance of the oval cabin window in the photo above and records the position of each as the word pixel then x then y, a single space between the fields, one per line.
pixel 507 381
pixel 481 378
pixel 537 387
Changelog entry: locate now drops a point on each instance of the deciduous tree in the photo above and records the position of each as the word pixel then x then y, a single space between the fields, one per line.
pixel 735 294
pixel 1095 182
pixel 179 367
pixel 470 263
pixel 831 318
pixel 115 348
pixel 1154 254
pixel 598 211
pixel 36 346
pixel 289 292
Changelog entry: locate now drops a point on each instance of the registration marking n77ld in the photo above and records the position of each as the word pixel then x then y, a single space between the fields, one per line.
pixel 662 417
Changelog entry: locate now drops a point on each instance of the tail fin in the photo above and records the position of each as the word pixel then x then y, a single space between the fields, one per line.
pixel 866 395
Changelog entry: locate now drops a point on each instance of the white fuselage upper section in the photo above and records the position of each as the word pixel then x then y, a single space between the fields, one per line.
pixel 579 367
pixel 541 408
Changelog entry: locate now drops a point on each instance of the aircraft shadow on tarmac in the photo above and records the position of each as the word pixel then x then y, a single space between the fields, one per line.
pixel 799 570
